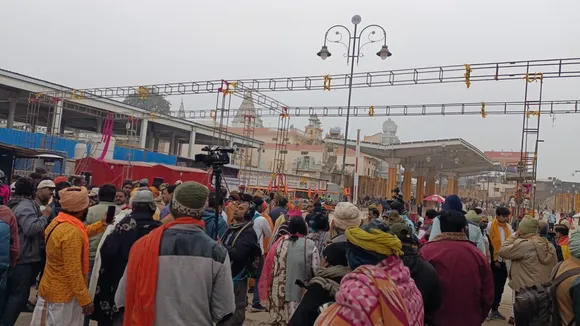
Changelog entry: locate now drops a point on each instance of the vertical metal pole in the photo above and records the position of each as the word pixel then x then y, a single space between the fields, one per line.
pixel 217 173
pixel 535 162
pixel 523 148
pixel 355 182
pixel 354 38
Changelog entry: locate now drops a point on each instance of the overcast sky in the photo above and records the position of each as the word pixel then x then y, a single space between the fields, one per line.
pixel 129 42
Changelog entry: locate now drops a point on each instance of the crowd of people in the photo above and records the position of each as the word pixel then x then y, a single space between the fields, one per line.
pixel 183 255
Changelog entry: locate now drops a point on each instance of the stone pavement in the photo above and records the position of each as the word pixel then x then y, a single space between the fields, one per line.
pixel 260 319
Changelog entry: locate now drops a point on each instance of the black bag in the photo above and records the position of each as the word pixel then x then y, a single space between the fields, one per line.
pixel 538 303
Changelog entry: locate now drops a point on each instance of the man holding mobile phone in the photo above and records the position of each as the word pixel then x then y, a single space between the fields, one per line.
pixel 106 196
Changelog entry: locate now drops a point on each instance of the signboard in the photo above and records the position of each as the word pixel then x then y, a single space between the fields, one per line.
pixel 262 179
pixel 505 159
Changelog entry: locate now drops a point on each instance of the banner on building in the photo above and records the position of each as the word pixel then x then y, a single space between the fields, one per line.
pixel 262 179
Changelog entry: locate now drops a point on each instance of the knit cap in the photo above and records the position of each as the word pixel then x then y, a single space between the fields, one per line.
pixel 528 225
pixel 346 215
pixel 394 218
pixel 574 244
pixel 189 199
pixel 473 217
pixel 403 232
pixel 144 196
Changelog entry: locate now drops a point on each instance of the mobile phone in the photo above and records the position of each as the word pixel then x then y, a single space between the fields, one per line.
pixel 111 214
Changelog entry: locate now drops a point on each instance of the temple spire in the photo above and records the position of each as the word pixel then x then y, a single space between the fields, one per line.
pixel 181 112
pixel 247 108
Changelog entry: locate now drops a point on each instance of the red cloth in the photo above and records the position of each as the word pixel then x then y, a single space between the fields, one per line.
pixel 465 279
pixel 7 216
pixel 60 179
pixel 142 271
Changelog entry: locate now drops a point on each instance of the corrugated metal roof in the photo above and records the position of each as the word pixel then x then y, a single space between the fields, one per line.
pixel 19 151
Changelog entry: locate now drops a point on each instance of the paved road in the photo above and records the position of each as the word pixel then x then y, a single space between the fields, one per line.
pixel 260 319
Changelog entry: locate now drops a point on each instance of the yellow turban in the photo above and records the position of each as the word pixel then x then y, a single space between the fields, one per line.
pixel 376 241
pixel 74 199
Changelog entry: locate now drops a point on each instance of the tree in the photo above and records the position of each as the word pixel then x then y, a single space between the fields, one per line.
pixel 151 102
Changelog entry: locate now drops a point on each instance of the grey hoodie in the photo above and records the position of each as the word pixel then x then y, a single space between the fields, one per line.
pixel 31 225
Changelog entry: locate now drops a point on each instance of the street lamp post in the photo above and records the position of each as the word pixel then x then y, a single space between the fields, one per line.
pixel 353 51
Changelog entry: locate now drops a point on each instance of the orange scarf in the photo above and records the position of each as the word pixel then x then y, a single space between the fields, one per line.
pixel 142 271
pixel 65 218
pixel 271 225
pixel 495 236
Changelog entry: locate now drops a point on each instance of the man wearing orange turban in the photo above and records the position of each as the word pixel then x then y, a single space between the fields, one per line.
pixel 63 296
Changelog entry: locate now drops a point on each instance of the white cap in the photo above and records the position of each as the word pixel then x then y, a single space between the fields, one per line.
pixel 46 184
pixel 94 192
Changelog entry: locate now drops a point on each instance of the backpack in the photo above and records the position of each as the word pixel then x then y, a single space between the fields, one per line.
pixel 539 303
pixel 5 242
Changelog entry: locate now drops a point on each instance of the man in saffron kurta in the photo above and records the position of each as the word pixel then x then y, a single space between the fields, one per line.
pixel 63 295
pixel 562 235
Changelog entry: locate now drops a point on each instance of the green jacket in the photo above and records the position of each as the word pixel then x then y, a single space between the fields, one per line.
pixel 96 213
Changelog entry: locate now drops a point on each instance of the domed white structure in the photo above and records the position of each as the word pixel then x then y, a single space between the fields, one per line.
pixel 389 133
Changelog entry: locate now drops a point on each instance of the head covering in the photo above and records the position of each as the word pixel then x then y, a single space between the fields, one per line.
pixel 278 195
pixel 473 217
pixel 528 225
pixel 144 182
pixel 294 213
pixel 46 184
pixel 235 195
pixel 376 241
pixel 60 179
pixel 94 192
pixel 403 232
pixel 154 191
pixel 258 194
pixel 189 199
pixel 74 199
pixel 353 307
pixel 335 254
pixel 346 215
pixel 566 223
pixel 453 203
pixel 394 218
pixel 370 247
pixel 144 196
pixel 163 186
pixel 574 244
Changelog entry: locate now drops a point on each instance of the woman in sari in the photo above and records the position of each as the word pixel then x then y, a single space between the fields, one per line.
pixel 319 225
pixel 291 258
pixel 380 290
pixel 115 254
pixel 281 226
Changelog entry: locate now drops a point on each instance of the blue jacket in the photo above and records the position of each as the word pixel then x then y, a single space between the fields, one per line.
pixel 209 219
pixel 407 220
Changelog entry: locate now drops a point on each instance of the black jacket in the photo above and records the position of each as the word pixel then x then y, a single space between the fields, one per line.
pixel 552 239
pixel 308 309
pixel 426 279
pixel 245 249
